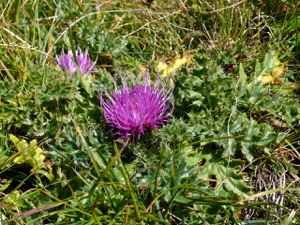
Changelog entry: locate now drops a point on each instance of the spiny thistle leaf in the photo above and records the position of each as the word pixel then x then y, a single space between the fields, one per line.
pixel 227 176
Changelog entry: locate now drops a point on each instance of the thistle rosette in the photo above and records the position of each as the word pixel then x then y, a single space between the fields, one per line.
pixel 68 63
pixel 134 110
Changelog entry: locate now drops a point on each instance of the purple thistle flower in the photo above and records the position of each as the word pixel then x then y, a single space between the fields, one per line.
pixel 85 64
pixel 134 110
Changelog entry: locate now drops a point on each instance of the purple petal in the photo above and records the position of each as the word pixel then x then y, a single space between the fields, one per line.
pixel 132 111
pixel 85 64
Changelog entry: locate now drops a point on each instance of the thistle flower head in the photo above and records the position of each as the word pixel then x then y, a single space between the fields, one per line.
pixel 85 64
pixel 134 110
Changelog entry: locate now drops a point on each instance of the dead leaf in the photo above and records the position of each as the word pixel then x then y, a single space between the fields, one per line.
pixel 168 69
pixel 272 69
pixel 142 69
pixel 265 78
pixel 279 123
pixel 147 2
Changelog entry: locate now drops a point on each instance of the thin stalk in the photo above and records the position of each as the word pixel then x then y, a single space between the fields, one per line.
pixel 127 180
pixel 109 166
pixel 7 71
pixel 17 12
pixel 96 217
pixel 96 166
pixel 155 183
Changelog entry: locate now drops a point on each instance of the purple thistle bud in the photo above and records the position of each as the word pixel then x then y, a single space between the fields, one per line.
pixel 134 110
pixel 68 63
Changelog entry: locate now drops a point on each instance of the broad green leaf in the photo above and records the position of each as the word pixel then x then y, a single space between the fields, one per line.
pixel 266 138
pixel 248 150
pixel 86 80
pixel 242 74
pixel 227 179
pixel 256 92
pixel 231 148
pixel 247 144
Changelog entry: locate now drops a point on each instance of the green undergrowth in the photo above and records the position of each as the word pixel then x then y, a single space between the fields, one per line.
pixel 230 154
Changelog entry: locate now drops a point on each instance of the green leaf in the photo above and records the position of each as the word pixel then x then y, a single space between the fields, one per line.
pixel 270 61
pixel 227 176
pixel 267 137
pixel 20 145
pixel 86 80
pixel 6 185
pixel 243 76
pixel 66 191
pixel 213 201
pixel 14 200
pixel 248 150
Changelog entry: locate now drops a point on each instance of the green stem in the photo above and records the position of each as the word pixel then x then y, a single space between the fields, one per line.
pixel 106 170
pixel 96 217
pixel 17 12
pixel 125 175
pixel 96 166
